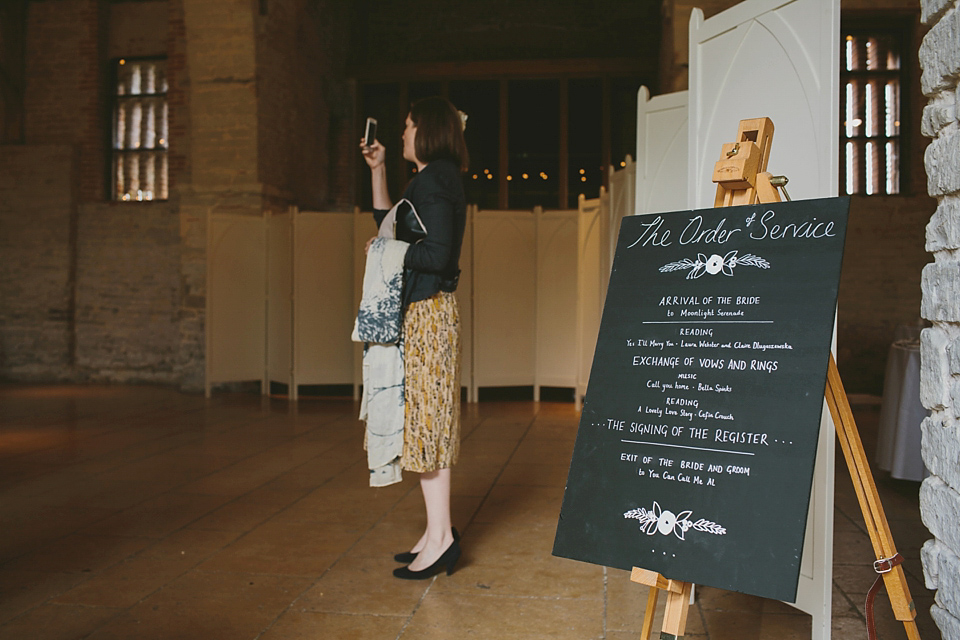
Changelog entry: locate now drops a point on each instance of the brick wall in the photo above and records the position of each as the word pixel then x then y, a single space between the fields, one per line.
pixel 940 345
pixel 36 269
pixel 301 51
pixel 128 284
pixel 64 97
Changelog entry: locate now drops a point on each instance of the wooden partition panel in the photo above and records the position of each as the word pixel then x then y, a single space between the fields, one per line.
pixel 504 298
pixel 465 298
pixel 364 228
pixel 279 302
pixel 593 273
pixel 623 186
pixel 556 328
pixel 323 298
pixel 236 304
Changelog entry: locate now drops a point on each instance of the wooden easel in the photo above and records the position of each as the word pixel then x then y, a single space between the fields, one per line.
pixel 742 178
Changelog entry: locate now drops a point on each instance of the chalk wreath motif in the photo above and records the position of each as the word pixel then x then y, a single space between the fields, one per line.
pixel 715 264
pixel 666 522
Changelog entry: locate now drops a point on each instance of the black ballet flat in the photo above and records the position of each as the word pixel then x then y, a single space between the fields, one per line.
pixel 409 556
pixel 447 560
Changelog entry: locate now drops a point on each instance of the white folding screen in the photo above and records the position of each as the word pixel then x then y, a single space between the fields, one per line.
pixel 465 298
pixel 236 303
pixel 323 299
pixel 279 297
pixel 593 273
pixel 504 296
pixel 556 319
pixel 364 228
pixel 623 187
pixel 284 290
pixel 661 170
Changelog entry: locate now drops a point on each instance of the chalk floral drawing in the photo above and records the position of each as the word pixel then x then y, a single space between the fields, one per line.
pixel 665 522
pixel 715 264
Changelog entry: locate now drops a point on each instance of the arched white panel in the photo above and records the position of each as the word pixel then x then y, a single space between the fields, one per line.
pixel 776 59
pixel 236 306
pixel 661 152
pixel 767 58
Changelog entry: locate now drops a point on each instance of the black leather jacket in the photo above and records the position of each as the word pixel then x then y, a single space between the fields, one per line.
pixel 433 264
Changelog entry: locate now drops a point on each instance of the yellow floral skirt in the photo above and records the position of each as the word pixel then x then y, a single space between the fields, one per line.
pixel 431 378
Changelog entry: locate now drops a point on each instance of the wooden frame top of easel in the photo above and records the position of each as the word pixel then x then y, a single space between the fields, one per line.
pixel 742 179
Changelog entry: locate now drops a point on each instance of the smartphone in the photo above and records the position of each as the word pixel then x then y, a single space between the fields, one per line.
pixel 370 133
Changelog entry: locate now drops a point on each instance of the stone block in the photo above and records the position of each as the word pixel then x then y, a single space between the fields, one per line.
pixel 940 56
pixel 944 564
pixel 953 356
pixel 931 10
pixel 943 230
pixel 942 161
pixel 934 368
pixel 941 112
pixel 940 284
pixel 940 448
pixel 949 623
pixel 930 561
pixel 940 512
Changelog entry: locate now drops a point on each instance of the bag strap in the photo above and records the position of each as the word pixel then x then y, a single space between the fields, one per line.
pixel 882 566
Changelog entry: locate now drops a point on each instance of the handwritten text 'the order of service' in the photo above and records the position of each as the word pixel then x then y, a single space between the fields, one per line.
pixel 765 228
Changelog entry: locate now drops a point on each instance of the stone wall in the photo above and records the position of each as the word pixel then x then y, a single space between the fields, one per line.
pixel 940 345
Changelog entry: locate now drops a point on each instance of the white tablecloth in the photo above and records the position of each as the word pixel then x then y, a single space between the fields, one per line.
pixel 898 439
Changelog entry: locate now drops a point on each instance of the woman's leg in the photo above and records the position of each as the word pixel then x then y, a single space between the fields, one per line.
pixel 435 486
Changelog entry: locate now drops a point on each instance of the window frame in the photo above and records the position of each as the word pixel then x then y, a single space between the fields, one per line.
pixel 113 151
pixel 900 26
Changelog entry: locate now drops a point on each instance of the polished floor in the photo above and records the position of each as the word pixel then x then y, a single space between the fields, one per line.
pixel 139 512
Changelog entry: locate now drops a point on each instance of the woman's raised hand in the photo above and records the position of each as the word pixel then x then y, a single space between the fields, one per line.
pixel 374 154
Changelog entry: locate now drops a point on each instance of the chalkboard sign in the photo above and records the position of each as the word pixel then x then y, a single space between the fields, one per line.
pixel 695 452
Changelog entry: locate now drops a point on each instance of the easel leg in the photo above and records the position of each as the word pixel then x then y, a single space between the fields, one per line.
pixel 678 603
pixel 675 615
pixel 881 538
pixel 650 612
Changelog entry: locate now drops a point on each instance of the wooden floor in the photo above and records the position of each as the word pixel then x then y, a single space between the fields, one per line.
pixel 139 512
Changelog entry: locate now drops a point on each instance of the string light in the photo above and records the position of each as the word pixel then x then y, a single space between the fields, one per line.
pixel 509 178
pixel 525 176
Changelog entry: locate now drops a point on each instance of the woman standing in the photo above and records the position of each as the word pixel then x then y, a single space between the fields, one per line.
pixel 433 140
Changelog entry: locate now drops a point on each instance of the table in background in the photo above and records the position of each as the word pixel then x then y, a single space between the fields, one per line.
pixel 898 438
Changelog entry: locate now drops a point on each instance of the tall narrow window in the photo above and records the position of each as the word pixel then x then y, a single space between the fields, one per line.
pixel 871 76
pixel 140 130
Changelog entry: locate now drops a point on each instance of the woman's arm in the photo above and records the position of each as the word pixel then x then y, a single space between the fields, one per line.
pixel 375 156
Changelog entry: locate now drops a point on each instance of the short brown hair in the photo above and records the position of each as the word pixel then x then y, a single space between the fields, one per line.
pixel 439 132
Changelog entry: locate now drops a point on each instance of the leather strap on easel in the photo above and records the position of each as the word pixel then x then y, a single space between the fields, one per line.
pixel 882 566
